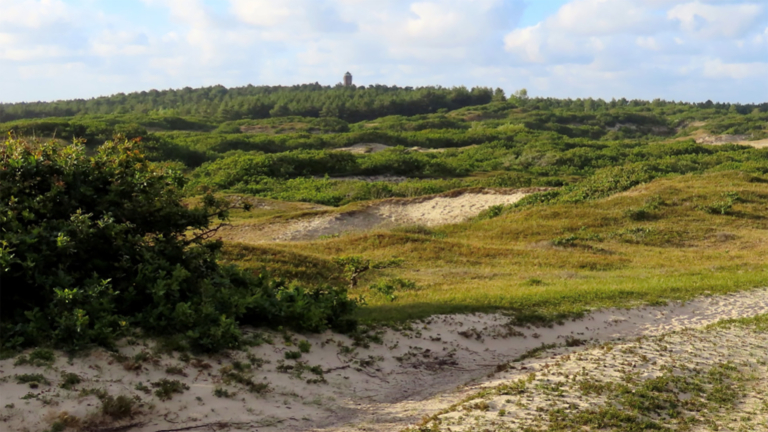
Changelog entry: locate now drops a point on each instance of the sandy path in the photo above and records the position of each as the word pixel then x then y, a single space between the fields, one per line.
pixel 413 373
pixel 711 379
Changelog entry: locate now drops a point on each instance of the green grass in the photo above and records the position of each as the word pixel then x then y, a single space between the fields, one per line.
pixel 581 256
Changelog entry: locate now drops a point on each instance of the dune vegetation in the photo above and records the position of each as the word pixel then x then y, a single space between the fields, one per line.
pixel 631 207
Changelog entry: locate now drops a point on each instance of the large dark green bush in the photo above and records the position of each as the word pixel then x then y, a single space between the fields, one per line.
pixel 95 247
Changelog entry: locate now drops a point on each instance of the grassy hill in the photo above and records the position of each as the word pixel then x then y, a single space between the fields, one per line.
pixel 670 239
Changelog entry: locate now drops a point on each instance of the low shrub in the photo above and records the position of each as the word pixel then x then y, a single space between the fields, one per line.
pixel 94 247
pixel 165 388
pixel 119 407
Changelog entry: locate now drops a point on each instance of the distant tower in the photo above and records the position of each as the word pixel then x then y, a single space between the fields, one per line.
pixel 348 79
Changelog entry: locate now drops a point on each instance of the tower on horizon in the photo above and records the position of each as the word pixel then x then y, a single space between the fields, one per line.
pixel 347 79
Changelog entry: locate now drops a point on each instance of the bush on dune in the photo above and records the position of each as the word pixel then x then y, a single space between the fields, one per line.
pixel 96 247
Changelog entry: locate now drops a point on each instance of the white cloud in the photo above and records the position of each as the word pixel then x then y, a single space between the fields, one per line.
pixel 737 71
pixel 731 20
pixel 34 14
pixel 676 49
pixel 604 17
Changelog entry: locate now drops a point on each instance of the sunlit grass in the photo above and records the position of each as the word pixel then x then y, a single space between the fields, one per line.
pixel 582 256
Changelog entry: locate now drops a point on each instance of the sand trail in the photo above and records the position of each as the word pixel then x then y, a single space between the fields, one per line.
pixel 412 373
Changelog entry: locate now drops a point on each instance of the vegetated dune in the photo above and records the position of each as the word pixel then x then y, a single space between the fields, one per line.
pixel 328 382
pixel 427 211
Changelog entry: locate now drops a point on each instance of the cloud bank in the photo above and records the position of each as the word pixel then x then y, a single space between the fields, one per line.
pixel 673 49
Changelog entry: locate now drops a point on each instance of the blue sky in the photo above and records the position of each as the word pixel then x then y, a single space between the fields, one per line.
pixel 690 50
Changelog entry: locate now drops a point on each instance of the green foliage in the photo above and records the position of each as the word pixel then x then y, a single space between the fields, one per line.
pixel 165 388
pixel 38 357
pixel 722 206
pixel 353 267
pixel 34 380
pixel 304 346
pixel 69 380
pixel 292 355
pixel 222 393
pixel 95 247
pixel 311 100
pixel 646 212
pixel 118 408
pixel 388 288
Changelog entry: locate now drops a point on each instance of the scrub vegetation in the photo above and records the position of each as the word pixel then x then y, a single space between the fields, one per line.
pixel 110 207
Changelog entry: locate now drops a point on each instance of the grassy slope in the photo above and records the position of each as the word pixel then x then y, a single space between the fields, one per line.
pixel 525 261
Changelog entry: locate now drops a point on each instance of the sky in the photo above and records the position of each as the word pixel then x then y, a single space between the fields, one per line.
pixel 690 50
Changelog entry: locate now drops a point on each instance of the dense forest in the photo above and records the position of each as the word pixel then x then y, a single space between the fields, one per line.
pixel 220 103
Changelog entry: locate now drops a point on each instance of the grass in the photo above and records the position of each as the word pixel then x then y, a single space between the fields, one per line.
pixel 39 357
pixel 515 262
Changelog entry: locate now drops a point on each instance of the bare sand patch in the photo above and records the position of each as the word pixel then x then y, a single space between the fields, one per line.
pixel 364 148
pixel 402 376
pixel 703 138
pixel 426 211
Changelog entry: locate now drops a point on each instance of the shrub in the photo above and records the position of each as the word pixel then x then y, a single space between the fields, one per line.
pixel 292 355
pixel 34 380
pixel 94 247
pixel 165 388
pixel 118 408
pixel 69 380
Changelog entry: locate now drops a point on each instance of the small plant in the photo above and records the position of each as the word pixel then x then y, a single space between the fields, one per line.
pixel 389 287
pixel 646 212
pixel 165 388
pixel 292 355
pixel 305 346
pixel 38 357
pixel 256 362
pixel 63 422
pixel 534 282
pixel 175 370
pixel 228 376
pixel 118 408
pixel 571 341
pixel 241 366
pixel 565 241
pixel 722 207
pixel 353 267
pixel 143 388
pixel 99 393
pixel 34 380
pixel 222 393
pixel 69 380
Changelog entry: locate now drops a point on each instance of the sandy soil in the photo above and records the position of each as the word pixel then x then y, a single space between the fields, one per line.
pixel 428 211
pixel 365 148
pixel 413 372
pixel 684 367
pixel 730 139
pixel 371 179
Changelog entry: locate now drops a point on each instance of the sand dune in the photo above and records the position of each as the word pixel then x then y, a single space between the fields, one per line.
pixel 413 373
pixel 426 211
